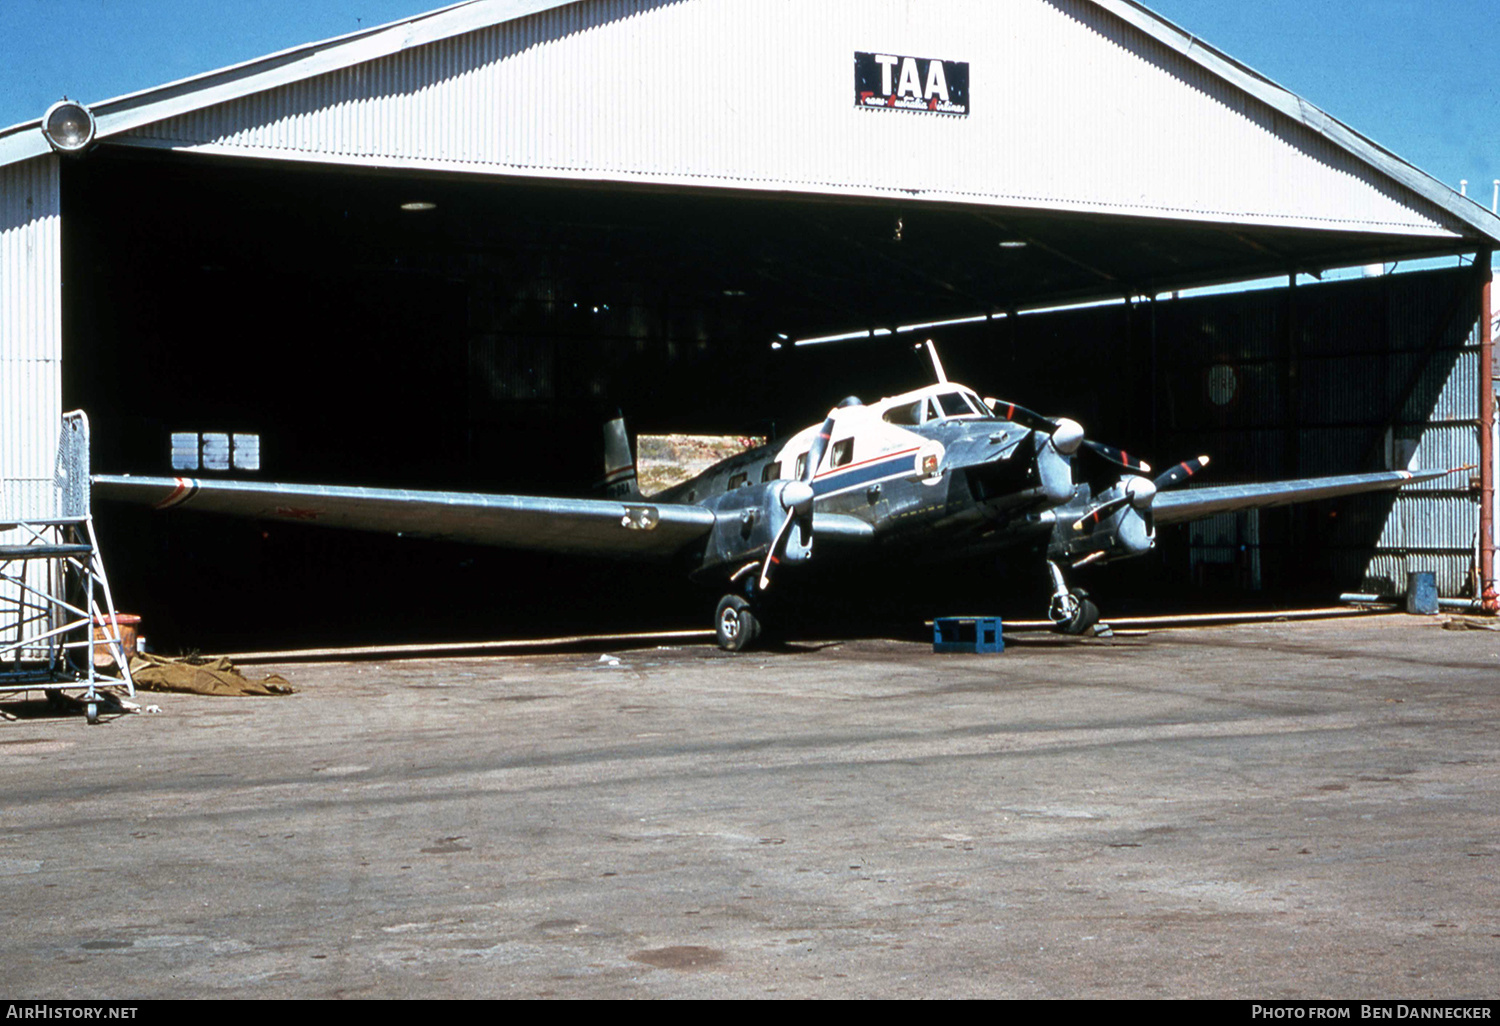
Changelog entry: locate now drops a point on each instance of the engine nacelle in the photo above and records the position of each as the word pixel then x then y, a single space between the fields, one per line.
pixel 747 520
pixel 1132 534
pixel 1054 470
pixel 1121 526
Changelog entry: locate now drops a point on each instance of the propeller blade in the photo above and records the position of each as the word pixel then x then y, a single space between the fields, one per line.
pixel 1181 472
pixel 819 447
pixel 773 555
pixel 1103 511
pixel 1024 417
pixel 1118 457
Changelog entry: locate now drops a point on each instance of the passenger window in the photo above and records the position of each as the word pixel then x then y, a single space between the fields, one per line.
pixel 772 472
pixel 843 452
pixel 738 480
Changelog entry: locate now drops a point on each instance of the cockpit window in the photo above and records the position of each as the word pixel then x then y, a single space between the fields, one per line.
pixel 843 452
pixel 772 471
pixel 955 404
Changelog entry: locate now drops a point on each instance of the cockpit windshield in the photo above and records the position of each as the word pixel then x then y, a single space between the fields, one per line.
pixel 960 404
pixel 938 407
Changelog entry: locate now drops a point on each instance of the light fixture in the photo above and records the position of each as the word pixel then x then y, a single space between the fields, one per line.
pixel 1012 244
pixel 68 127
pixel 416 205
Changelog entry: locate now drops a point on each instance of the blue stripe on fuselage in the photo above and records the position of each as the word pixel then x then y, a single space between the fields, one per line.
pixel 896 465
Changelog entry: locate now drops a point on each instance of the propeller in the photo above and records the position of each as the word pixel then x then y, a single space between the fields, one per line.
pixel 1066 434
pixel 1138 491
pixel 797 499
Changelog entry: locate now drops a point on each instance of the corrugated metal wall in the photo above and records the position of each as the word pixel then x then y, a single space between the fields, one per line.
pixel 30 370
pixel 30 336
pixel 1071 109
pixel 1380 373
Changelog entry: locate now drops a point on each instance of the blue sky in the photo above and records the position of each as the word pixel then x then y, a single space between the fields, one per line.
pixel 1420 77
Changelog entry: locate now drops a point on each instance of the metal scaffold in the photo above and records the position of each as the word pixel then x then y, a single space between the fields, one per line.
pixel 59 630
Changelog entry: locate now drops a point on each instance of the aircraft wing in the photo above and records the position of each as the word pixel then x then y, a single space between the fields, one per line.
pixel 1173 507
pixel 588 526
pixel 624 530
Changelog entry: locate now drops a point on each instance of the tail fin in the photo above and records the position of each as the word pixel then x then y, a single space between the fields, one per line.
pixel 619 463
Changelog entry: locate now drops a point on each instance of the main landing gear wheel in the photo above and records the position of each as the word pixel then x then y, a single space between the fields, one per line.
pixel 1073 612
pixel 735 624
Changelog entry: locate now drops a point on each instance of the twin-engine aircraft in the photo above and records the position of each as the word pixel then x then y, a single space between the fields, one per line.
pixel 938 469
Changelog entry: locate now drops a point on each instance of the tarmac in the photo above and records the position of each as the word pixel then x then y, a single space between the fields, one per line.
pixel 1268 811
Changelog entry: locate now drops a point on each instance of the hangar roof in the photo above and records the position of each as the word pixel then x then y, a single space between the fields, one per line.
pixel 1128 155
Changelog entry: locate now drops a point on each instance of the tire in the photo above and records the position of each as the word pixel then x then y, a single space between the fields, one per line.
pixel 1082 617
pixel 735 625
pixel 1083 620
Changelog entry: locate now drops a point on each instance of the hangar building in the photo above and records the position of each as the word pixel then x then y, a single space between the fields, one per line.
pixel 436 253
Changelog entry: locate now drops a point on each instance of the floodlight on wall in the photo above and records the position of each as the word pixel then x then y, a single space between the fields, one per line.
pixel 416 206
pixel 68 127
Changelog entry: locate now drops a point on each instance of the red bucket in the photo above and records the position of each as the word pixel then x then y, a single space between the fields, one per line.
pixel 129 628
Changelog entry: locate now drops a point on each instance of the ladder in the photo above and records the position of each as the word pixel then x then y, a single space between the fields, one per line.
pixel 59 630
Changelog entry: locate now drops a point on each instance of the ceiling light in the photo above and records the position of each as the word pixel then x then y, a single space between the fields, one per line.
pixel 68 126
pixel 419 205
pixel 1012 244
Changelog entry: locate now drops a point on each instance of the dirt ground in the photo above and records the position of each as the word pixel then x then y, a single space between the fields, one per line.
pixel 1284 810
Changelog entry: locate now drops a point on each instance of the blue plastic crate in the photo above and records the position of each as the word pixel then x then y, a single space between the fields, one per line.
pixel 967 634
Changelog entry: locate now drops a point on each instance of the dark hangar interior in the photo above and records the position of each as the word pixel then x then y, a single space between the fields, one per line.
pixel 479 344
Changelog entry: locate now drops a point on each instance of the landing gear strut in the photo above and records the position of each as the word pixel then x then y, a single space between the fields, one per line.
pixel 1071 611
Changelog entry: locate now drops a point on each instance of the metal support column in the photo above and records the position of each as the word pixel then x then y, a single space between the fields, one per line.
pixel 1488 595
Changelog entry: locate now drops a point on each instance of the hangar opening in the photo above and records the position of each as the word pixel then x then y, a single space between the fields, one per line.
pixel 384 313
